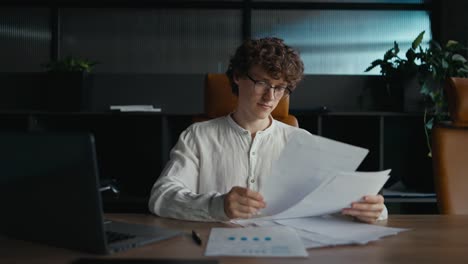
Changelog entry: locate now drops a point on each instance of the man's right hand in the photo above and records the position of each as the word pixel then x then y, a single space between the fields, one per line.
pixel 241 202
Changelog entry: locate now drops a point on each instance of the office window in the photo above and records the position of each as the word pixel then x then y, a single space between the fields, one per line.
pixel 24 39
pixel 152 40
pixel 341 41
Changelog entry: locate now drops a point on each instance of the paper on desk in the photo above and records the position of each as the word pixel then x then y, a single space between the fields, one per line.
pixel 135 108
pixel 278 241
pixel 316 240
pixel 340 228
pixel 322 231
pixel 305 162
pixel 309 239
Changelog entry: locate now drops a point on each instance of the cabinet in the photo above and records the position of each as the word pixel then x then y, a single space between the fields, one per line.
pixel 133 148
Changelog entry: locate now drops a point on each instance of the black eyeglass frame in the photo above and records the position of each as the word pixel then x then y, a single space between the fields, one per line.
pixel 287 90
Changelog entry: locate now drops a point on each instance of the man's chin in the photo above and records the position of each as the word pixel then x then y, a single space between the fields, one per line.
pixel 263 115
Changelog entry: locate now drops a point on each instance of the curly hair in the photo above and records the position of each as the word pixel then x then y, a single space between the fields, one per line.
pixel 272 55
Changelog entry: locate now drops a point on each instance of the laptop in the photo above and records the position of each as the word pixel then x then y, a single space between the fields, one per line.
pixel 49 193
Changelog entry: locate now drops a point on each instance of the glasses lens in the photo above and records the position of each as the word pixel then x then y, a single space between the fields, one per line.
pixel 279 92
pixel 261 87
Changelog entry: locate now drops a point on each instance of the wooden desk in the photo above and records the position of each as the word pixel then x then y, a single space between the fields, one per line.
pixel 433 239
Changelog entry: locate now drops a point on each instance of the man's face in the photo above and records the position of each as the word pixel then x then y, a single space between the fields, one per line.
pixel 255 104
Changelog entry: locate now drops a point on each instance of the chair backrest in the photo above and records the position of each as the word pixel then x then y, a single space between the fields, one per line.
pixel 450 151
pixel 220 101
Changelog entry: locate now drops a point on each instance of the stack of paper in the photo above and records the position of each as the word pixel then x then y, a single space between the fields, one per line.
pixel 135 108
pixel 313 177
pixel 321 231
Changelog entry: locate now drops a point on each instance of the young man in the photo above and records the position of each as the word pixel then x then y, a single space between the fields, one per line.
pixel 218 167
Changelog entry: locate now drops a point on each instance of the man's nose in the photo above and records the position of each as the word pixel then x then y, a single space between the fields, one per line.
pixel 269 94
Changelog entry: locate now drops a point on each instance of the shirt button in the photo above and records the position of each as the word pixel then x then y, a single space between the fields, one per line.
pixel 253 153
pixel 252 181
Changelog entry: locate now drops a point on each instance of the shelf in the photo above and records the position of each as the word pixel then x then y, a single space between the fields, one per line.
pixel 134 147
pixel 398 193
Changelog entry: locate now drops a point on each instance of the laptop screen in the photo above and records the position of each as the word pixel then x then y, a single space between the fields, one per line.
pixel 49 190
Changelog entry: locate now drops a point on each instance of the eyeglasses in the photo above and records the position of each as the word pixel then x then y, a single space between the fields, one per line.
pixel 262 87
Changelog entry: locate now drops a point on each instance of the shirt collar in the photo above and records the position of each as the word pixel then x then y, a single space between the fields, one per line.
pixel 241 130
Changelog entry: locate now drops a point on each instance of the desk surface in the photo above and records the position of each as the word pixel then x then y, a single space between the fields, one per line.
pixel 433 239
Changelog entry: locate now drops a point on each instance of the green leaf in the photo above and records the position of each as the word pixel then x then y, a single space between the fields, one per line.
pixel 70 64
pixel 430 123
pixel 451 43
pixel 374 64
pixel 388 55
pixel 395 47
pixel 410 55
pixel 417 41
pixel 445 64
pixel 435 45
pixel 434 73
pixel 458 57
pixel 425 89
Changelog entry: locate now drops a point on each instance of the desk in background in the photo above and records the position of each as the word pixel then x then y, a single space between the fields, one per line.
pixel 433 239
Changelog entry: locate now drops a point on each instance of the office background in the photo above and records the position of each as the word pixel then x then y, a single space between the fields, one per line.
pixel 157 52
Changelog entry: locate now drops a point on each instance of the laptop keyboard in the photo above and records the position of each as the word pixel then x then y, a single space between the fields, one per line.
pixel 116 236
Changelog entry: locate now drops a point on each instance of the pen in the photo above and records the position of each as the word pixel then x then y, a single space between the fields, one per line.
pixel 196 237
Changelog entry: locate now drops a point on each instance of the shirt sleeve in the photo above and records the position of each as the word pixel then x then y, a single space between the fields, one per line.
pixel 384 214
pixel 174 194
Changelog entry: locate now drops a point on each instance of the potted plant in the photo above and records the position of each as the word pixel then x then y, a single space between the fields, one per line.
pixel 70 64
pixel 431 66
pixel 67 84
pixel 397 72
pixel 437 64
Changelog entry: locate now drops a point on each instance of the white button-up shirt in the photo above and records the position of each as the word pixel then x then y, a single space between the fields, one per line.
pixel 208 160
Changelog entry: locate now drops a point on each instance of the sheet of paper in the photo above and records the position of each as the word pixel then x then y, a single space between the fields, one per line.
pixel 305 162
pixel 309 239
pixel 316 240
pixel 277 241
pixel 333 195
pixel 135 108
pixel 336 193
pixel 341 228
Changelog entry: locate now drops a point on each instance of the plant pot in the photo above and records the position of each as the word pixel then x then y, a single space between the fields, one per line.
pixel 457 93
pixel 395 96
pixel 65 91
pixel 413 98
pixel 401 94
pixel 388 96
